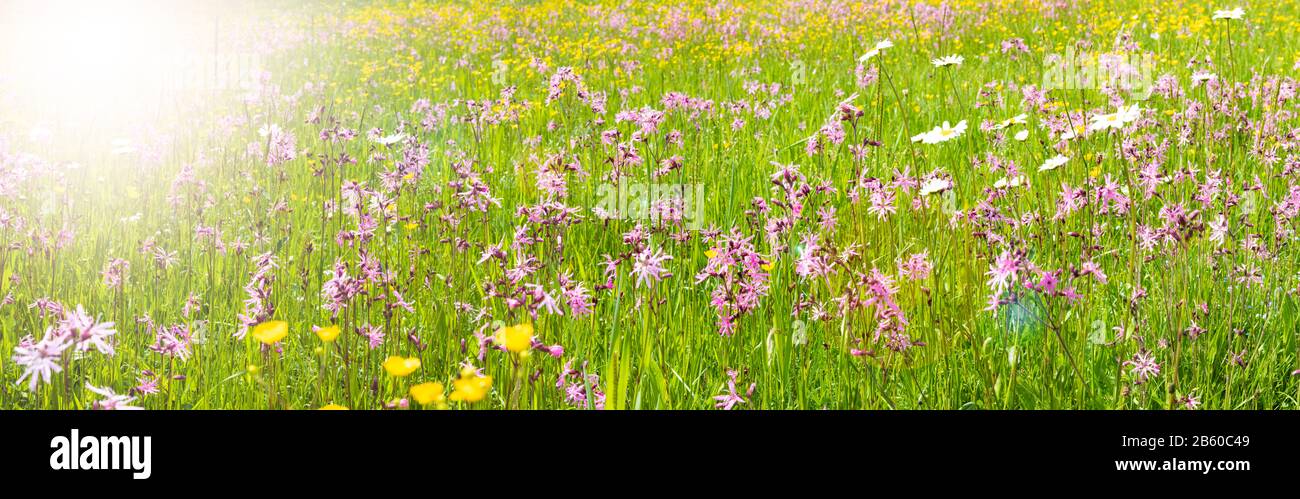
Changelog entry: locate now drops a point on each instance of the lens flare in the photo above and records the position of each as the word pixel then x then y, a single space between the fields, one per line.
pixel 73 70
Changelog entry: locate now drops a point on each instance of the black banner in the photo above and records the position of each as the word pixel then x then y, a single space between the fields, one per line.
pixel 356 446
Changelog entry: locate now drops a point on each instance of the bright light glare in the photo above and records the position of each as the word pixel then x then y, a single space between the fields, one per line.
pixel 72 65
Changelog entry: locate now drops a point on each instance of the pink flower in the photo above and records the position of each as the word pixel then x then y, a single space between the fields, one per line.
pixel 115 272
pixel 1143 365
pixel 917 266
pixel 1002 274
pixel 111 401
pixel 648 267
pixel 172 341
pixel 731 399
pixel 1091 268
pixel 1218 230
pixel 374 335
pixel 576 390
pixel 1190 401
pixel 146 384
pixel 86 333
pixel 41 359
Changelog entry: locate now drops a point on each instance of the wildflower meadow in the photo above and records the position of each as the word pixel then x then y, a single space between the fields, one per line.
pixel 609 205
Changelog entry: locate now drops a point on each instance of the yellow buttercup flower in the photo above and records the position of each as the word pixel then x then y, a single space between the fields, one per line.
pixel 333 407
pixel 470 387
pixel 401 367
pixel 515 338
pixel 428 393
pixel 711 254
pixel 327 334
pixel 271 332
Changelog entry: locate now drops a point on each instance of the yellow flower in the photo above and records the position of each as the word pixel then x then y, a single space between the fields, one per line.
pixel 327 334
pixel 515 338
pixel 711 254
pixel 333 407
pixel 401 367
pixel 470 387
pixel 767 266
pixel 428 393
pixel 271 332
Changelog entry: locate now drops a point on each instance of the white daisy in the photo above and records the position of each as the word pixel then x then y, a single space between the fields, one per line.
pixel 390 139
pixel 881 45
pixel 952 60
pixel 1015 181
pixel 1105 121
pixel 944 133
pixel 1123 116
pixel 1236 13
pixel 934 186
pixel 1022 135
pixel 1130 113
pixel 1053 163
pixel 1019 119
